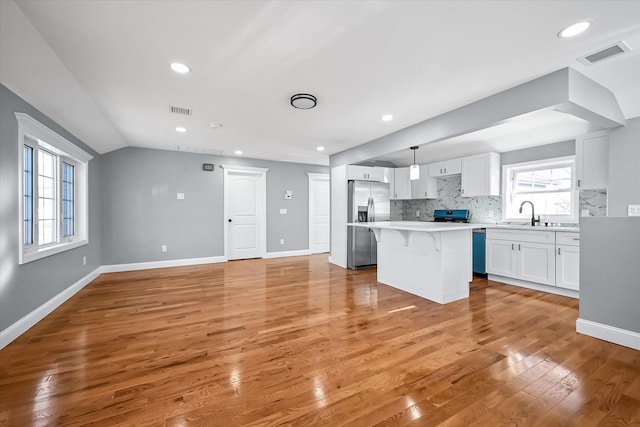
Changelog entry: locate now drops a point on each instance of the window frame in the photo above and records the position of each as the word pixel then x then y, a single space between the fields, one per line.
pixel 37 136
pixel 508 172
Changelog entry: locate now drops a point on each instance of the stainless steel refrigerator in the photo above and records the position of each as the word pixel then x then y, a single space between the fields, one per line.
pixel 368 202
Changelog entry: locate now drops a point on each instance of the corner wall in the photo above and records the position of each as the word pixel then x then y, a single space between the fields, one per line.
pixel 24 288
pixel 141 211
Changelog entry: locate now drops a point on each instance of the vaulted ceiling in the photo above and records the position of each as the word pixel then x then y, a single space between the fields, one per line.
pixel 101 68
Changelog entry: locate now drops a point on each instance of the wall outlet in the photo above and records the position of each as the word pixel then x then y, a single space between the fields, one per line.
pixel 282 241
pixel 84 260
pixel 180 196
pixel 633 210
pixel 584 212
pixel 283 211
pixel 164 248
pixel 490 214
pixel 417 214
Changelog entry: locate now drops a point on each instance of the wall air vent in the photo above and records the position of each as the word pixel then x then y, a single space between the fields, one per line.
pixel 181 110
pixel 602 54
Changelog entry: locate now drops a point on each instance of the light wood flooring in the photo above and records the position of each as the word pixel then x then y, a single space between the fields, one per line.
pixel 297 341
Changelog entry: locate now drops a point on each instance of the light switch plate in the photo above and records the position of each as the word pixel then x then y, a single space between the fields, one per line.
pixel 584 212
pixel 180 196
pixel 633 210
pixel 283 211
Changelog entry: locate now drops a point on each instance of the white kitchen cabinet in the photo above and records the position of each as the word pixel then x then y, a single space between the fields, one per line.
pixel 481 175
pixel 425 187
pixel 445 168
pixel 568 260
pixel 592 161
pixel 401 184
pixel 365 173
pixel 522 254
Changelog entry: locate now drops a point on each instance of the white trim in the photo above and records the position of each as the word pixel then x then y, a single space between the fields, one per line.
pixel 506 179
pixel 283 254
pixel 535 286
pixel 314 178
pixel 262 204
pixel 612 334
pixel 134 266
pixel 46 139
pixel 37 130
pixel 21 326
pixel 246 169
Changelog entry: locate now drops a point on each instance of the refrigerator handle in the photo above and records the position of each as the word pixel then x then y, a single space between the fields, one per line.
pixel 371 214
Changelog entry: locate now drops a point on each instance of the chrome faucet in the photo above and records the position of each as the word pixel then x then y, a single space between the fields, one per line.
pixel 533 213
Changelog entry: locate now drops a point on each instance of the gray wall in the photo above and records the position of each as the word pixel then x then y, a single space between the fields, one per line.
pixel 25 287
pixel 141 211
pixel 610 271
pixel 624 167
pixel 548 151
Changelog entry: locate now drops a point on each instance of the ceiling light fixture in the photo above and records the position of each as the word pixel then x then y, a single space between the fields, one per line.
pixel 320 148
pixel 181 129
pixel 414 169
pixel 303 101
pixel 180 68
pixel 239 152
pixel 387 118
pixel 574 29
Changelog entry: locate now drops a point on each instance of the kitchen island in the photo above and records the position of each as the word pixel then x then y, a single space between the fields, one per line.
pixel 429 259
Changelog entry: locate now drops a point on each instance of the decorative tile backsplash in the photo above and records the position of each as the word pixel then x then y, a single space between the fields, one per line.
pixel 449 197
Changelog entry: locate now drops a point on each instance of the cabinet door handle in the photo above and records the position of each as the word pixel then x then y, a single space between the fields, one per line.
pixel 579 183
pixel 445 170
pixel 519 247
pixel 513 247
pixel 558 251
pixel 463 191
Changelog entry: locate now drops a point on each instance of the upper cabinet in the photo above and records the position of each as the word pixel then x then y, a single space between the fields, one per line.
pixel 401 188
pixel 481 175
pixel 426 187
pixel 592 161
pixel 365 173
pixel 445 168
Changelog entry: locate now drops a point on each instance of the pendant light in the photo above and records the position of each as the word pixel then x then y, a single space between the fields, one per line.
pixel 414 169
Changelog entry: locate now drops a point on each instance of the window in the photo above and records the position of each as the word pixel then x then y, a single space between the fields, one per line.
pixel 53 188
pixel 548 184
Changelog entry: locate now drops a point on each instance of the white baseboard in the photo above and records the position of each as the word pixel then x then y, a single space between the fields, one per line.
pixel 283 254
pixel 114 268
pixel 334 262
pixel 609 333
pixel 21 326
pixel 535 286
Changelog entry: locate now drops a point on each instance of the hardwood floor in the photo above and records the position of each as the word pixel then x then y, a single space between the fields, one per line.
pixel 296 341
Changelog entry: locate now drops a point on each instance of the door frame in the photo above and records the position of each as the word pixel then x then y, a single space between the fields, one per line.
pixel 318 177
pixel 261 173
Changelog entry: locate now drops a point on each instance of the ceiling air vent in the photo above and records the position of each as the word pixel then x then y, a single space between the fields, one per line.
pixel 181 110
pixel 605 53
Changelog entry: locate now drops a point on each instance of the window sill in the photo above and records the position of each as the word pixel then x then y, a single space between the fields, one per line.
pixel 27 257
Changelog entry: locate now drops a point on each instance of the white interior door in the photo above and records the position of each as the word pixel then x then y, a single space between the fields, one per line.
pixel 245 212
pixel 319 202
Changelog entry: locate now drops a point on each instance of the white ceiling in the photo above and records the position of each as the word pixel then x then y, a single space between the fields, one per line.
pixel 101 68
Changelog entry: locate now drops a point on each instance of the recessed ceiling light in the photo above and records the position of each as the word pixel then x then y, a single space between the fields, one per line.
pixel 574 29
pixel 320 148
pixel 239 152
pixel 181 129
pixel 387 117
pixel 180 68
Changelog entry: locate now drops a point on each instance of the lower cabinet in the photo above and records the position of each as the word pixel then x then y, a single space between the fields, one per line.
pixel 544 257
pixel 533 262
pixel 568 260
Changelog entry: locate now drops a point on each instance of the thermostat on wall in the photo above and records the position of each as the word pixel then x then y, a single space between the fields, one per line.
pixel 207 167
